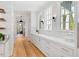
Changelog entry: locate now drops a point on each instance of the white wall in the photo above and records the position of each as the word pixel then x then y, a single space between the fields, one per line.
pixel 9 22
pixel 33 22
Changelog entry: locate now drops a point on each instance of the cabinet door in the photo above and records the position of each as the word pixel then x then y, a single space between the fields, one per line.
pixel 67 51
pixel 62 50
pixel 7 49
pixel 51 48
pixel 34 39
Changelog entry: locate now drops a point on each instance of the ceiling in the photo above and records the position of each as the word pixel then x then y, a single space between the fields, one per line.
pixel 28 5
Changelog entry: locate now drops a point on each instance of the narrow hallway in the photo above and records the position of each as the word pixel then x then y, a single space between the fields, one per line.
pixel 23 47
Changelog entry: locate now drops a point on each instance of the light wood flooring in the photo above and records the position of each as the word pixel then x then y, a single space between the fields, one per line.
pixel 25 48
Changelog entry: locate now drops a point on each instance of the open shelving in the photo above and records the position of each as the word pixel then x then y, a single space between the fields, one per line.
pixel 2 19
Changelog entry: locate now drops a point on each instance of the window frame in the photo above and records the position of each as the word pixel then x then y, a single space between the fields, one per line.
pixel 61 23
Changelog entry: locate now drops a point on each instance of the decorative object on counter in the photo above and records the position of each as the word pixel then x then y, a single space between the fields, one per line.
pixel 2 37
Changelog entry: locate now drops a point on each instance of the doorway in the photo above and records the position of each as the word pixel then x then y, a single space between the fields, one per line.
pixel 20 26
pixel 22 23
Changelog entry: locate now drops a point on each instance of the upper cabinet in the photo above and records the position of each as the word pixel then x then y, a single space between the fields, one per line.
pixel 46 19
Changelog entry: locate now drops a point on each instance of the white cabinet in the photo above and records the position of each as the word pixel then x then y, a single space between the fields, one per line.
pixel 4 49
pixel 34 38
pixel 52 49
pixel 7 50
pixel 61 50
pixel 65 51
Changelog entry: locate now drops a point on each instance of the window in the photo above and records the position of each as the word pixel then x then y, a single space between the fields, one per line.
pixel 67 16
pixel 46 19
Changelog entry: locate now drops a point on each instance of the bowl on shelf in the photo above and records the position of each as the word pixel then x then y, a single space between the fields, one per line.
pixel 2 37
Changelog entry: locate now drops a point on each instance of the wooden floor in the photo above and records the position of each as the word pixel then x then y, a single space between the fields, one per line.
pixel 24 48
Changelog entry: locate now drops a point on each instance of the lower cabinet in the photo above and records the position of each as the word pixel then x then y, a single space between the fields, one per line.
pixel 4 49
pixel 52 49
pixel 61 50
pixel 7 49
pixel 1 50
pixel 34 39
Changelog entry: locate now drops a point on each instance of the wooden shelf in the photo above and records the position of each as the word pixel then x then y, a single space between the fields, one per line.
pixel 2 10
pixel 2 19
pixel 2 28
